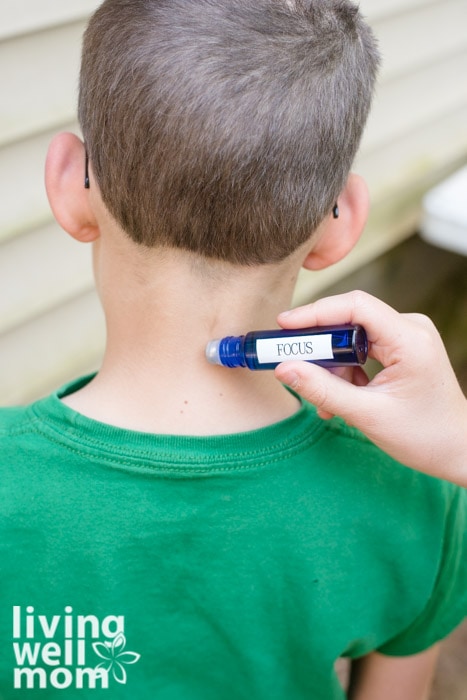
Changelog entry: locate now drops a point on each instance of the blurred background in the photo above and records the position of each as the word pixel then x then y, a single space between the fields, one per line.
pixel 51 326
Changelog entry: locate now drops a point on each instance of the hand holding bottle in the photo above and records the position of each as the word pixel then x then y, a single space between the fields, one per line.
pixel 413 409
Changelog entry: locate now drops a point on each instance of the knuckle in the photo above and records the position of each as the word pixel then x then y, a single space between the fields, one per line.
pixel 426 329
pixel 359 300
pixel 424 322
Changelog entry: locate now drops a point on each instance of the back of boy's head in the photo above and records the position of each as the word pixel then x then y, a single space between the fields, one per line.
pixel 225 127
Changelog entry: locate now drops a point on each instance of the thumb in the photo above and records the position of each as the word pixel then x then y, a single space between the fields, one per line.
pixel 329 393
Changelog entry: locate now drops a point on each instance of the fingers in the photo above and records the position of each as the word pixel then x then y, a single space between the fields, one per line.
pixel 355 307
pixel 391 335
pixel 331 394
pixel 414 408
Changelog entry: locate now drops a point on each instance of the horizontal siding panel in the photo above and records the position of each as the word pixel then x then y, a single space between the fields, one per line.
pixel 422 37
pixel 48 87
pixel 376 10
pixel 416 99
pixel 53 348
pixel 21 16
pixel 24 204
pixel 33 284
pixel 415 156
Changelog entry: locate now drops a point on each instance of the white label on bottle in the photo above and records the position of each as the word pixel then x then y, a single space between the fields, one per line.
pixel 304 347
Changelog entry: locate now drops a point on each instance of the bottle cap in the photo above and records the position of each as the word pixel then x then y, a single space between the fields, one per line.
pixel 212 352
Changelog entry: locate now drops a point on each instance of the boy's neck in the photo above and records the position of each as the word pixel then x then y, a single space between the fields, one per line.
pixel 161 308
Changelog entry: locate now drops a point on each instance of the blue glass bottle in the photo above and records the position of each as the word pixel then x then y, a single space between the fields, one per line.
pixel 328 346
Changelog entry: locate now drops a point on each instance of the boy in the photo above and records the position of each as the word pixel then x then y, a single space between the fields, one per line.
pixel 176 530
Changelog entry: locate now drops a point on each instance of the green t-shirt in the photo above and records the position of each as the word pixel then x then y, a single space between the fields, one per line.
pixel 196 568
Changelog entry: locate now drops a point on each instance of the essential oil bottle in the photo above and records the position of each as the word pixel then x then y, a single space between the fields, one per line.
pixel 328 346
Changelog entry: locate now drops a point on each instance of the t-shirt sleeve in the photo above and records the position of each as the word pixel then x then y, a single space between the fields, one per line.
pixel 447 606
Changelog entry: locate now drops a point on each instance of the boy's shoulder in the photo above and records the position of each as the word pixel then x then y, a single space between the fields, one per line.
pixel 15 420
pixel 363 473
pixel 28 421
pixel 19 439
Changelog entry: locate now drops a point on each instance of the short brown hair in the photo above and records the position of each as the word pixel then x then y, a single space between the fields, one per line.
pixel 225 127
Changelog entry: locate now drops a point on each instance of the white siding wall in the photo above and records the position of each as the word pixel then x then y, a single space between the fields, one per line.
pixel 51 326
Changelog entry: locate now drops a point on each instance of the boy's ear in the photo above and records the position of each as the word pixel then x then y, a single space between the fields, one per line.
pixel 340 235
pixel 64 180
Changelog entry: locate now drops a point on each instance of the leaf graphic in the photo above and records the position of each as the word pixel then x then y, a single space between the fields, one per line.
pixel 119 673
pixel 119 643
pixel 128 657
pixel 114 657
pixel 103 651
